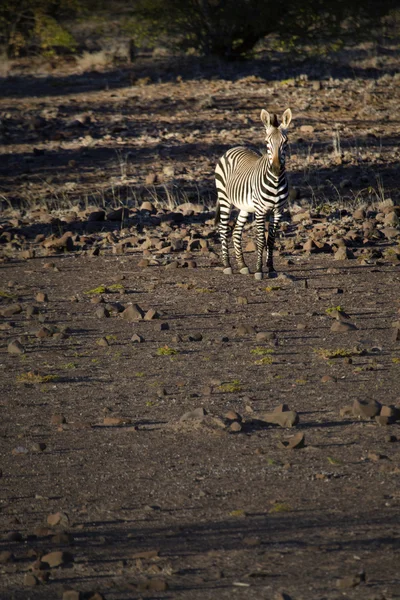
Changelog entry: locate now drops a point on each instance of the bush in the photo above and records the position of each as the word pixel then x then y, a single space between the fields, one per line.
pixel 231 28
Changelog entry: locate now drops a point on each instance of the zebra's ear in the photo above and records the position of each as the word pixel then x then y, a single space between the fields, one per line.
pixel 266 118
pixel 286 118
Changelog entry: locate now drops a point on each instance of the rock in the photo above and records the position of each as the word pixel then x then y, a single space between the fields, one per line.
pixel 384 420
pixel 102 313
pixel 281 408
pixel 11 310
pixel 6 556
pixel 38 447
pixel 243 329
pixel 235 427
pixel 196 414
pixel 57 558
pixel 195 337
pixel 153 585
pixel 242 300
pixel 133 313
pixel 43 332
pixel 265 336
pixel 41 297
pixel 58 519
pixel 148 207
pixel 359 214
pixel 31 311
pixel 137 339
pixel 294 443
pixel 366 409
pixel 288 418
pixel 58 419
pixel 350 581
pixel 346 411
pixel 119 214
pixel 233 416
pixel 328 379
pixel 102 342
pixel 62 538
pixel 151 314
pixel 342 327
pixel 15 347
pixel 30 580
pixel 72 595
pixel 395 334
pixel 344 253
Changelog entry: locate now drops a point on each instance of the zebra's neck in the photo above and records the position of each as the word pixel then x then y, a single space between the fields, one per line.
pixel 274 180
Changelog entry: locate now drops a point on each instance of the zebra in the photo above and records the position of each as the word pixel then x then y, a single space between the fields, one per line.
pixel 254 184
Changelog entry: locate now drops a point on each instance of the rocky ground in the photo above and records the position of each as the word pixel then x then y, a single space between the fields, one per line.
pixel 169 431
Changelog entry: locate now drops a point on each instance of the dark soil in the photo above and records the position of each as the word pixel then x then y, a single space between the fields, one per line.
pixel 159 507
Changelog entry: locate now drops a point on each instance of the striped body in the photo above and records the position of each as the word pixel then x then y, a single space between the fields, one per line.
pixel 253 184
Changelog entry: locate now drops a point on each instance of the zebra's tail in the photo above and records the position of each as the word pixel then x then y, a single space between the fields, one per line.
pixel 217 214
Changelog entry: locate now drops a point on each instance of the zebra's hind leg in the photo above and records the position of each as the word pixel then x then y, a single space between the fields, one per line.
pixel 224 210
pixel 260 243
pixel 272 227
pixel 237 241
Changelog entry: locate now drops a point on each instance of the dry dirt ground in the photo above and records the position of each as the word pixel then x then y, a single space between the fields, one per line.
pixel 98 468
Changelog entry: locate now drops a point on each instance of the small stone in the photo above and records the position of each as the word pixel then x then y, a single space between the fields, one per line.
pixel 43 332
pixel 148 206
pixel 15 347
pixel 288 418
pixel 384 420
pixel 151 314
pixel 11 310
pixel 235 427
pixel 265 336
pixel 342 327
pixel 348 582
pixel 57 419
pixel 30 580
pixel 137 339
pixel 41 297
pixel 153 585
pixel 196 414
pixel 58 519
pixel 294 443
pixel 328 379
pixel 133 313
pixel 232 415
pixel 19 450
pixel 102 312
pixel 72 595
pixel 344 253
pixel 281 408
pixel 6 556
pixel 243 329
pixel 31 311
pixel 366 409
pixel 195 337
pixel 58 558
pixel 102 342
pixel 242 300
pixel 62 538
pixel 38 447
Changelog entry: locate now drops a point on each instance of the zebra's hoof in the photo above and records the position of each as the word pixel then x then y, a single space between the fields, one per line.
pixel 272 275
pixel 258 276
pixel 244 271
pixel 227 271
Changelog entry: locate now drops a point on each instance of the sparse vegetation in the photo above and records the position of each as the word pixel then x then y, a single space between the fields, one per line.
pixel 260 351
pixel 35 377
pixel 230 387
pixel 166 351
pixel 327 353
pixel 333 309
pixel 266 360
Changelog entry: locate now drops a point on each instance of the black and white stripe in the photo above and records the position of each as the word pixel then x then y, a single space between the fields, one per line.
pixel 254 184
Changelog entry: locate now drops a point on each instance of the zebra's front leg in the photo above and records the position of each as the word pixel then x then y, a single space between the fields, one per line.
pixel 260 243
pixel 237 241
pixel 272 227
pixel 223 228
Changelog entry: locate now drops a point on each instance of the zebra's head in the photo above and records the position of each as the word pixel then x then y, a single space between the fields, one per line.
pixel 276 139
